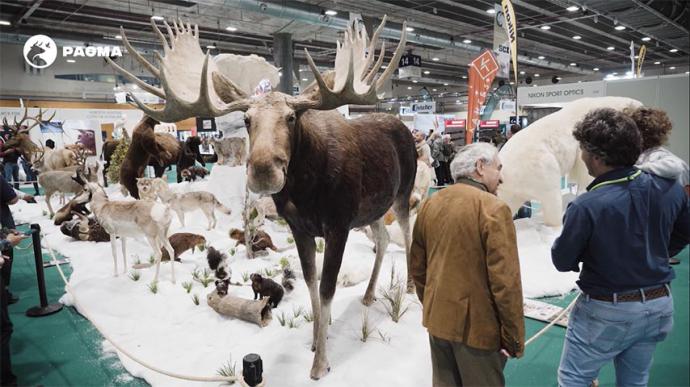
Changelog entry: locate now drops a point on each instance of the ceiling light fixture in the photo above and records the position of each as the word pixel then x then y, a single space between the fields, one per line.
pixel 445 84
pixel 409 29
pixel 646 39
pixel 5 23
pixel 672 68
pixel 414 81
pixel 572 8
pixel 118 37
pixel 305 79
pixel 231 28
pixel 537 75
pixel 331 12
pixel 435 59
pixel 409 87
pixel 156 17
pixel 545 28
pixel 577 37
pixel 610 48
pixel 573 64
pixel 467 41
pixel 464 77
pixel 433 89
pixel 71 60
pixel 491 11
pixel 522 73
pixel 674 50
pixel 619 28
pixel 595 69
pixel 657 63
pixel 427 72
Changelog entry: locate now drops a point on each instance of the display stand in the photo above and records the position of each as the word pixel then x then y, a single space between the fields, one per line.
pixel 44 309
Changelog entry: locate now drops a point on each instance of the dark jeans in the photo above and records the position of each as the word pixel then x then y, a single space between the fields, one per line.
pixel 12 173
pixel 31 176
pixel 7 378
pixel 443 173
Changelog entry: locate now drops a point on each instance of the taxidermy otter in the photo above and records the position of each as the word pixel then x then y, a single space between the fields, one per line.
pixel 194 172
pixel 261 242
pixel 288 281
pixel 266 287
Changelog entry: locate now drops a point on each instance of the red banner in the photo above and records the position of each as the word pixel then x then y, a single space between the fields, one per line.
pixel 482 72
pixel 455 124
pixel 489 124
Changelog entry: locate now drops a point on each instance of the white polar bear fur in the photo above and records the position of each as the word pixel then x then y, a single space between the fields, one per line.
pixel 535 159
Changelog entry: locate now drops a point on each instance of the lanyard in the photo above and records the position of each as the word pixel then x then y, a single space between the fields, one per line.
pixel 617 181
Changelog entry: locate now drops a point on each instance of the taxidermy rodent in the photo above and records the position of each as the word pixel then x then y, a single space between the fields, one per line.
pixel 266 287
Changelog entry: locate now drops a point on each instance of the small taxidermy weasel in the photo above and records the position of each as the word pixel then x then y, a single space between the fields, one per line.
pixel 180 242
pixel 261 242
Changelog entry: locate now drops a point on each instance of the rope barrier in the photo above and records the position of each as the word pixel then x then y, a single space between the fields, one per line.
pixel 83 312
pixel 554 321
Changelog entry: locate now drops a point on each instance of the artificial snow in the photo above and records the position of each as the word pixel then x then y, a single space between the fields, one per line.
pixel 169 331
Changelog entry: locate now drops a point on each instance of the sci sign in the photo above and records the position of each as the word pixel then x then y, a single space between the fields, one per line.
pixel 559 93
pixel 423 107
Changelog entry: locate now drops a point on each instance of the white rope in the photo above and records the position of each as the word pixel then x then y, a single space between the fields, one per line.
pixel 554 321
pixel 129 355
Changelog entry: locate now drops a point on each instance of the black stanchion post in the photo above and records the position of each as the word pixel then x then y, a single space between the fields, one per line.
pixel 44 309
pixel 252 369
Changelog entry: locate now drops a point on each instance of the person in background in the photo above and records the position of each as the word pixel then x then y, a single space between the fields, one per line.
pixel 50 144
pixel 30 175
pixel 446 154
pixel 10 155
pixel 514 128
pixel 423 149
pixel 7 198
pixel 435 145
pixel 472 296
pixel 622 230
pixel 7 378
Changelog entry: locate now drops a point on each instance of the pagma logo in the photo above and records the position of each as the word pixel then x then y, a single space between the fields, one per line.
pixel 40 51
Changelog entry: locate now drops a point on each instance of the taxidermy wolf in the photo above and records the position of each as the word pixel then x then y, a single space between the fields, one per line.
pixel 183 202
pixel 326 174
pixel 535 159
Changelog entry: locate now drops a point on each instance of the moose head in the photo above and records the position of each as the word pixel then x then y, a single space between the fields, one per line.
pixel 203 90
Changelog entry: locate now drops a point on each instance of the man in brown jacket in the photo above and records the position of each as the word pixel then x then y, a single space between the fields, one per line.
pixel 467 274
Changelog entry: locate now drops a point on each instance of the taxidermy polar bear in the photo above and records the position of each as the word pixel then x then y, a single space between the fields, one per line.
pixel 535 159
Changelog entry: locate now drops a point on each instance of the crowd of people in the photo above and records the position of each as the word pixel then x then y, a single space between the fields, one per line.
pixel 619 236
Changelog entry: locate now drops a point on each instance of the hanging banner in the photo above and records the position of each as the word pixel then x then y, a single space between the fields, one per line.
pixel 501 43
pixel 632 59
pixel 640 59
pixel 510 23
pixel 482 73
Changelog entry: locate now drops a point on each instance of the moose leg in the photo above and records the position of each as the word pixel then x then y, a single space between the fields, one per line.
pixel 381 240
pixel 333 257
pixel 124 254
pixel 306 249
pixel 402 213
pixel 113 238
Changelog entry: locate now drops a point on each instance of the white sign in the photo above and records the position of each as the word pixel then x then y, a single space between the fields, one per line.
pixel 409 72
pixel 507 105
pixel 501 44
pixel 560 93
pixel 423 107
pixel 40 51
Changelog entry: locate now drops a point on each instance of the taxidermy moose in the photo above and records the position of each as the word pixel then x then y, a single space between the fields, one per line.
pixel 326 174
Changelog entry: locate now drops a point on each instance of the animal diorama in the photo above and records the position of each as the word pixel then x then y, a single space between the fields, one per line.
pixel 302 151
pixel 266 287
pixel 83 228
pixel 130 219
pixel 184 202
pixel 62 181
pixel 535 159
pixel 260 242
pixel 192 173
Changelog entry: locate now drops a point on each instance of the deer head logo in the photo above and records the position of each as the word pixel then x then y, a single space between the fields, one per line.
pixel 40 51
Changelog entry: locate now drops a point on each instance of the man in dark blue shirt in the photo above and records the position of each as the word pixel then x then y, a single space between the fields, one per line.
pixel 623 230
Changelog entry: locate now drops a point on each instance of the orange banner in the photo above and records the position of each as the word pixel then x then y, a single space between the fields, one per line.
pixel 482 72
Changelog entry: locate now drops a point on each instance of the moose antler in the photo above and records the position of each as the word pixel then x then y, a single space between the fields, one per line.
pixel 353 82
pixel 184 75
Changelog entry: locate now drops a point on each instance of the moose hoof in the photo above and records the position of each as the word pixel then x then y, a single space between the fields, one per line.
pixel 367 300
pixel 319 371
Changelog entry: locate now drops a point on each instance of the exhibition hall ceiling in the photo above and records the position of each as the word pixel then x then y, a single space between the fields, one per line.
pixel 572 39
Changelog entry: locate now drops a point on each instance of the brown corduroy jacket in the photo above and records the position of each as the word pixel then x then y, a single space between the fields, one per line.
pixel 464 262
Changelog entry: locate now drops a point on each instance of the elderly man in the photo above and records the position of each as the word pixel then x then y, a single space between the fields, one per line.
pixel 467 275
pixel 623 230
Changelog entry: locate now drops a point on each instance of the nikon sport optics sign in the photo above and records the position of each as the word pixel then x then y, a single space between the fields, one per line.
pixel 40 51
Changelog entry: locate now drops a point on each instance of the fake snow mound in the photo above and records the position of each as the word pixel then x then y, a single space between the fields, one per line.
pixel 169 331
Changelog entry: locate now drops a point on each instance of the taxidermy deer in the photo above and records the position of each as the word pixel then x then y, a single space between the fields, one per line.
pixel 20 137
pixel 130 219
pixel 62 181
pixel 326 174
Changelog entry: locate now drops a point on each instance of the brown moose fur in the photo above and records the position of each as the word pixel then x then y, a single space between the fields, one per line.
pixel 181 242
pixel 261 242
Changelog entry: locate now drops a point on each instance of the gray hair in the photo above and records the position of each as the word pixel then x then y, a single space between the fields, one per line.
pixel 465 162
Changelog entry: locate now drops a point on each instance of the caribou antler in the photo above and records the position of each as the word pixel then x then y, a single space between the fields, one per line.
pixel 184 75
pixel 353 82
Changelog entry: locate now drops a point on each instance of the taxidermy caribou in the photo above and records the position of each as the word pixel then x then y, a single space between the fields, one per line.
pixel 20 138
pixel 326 174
